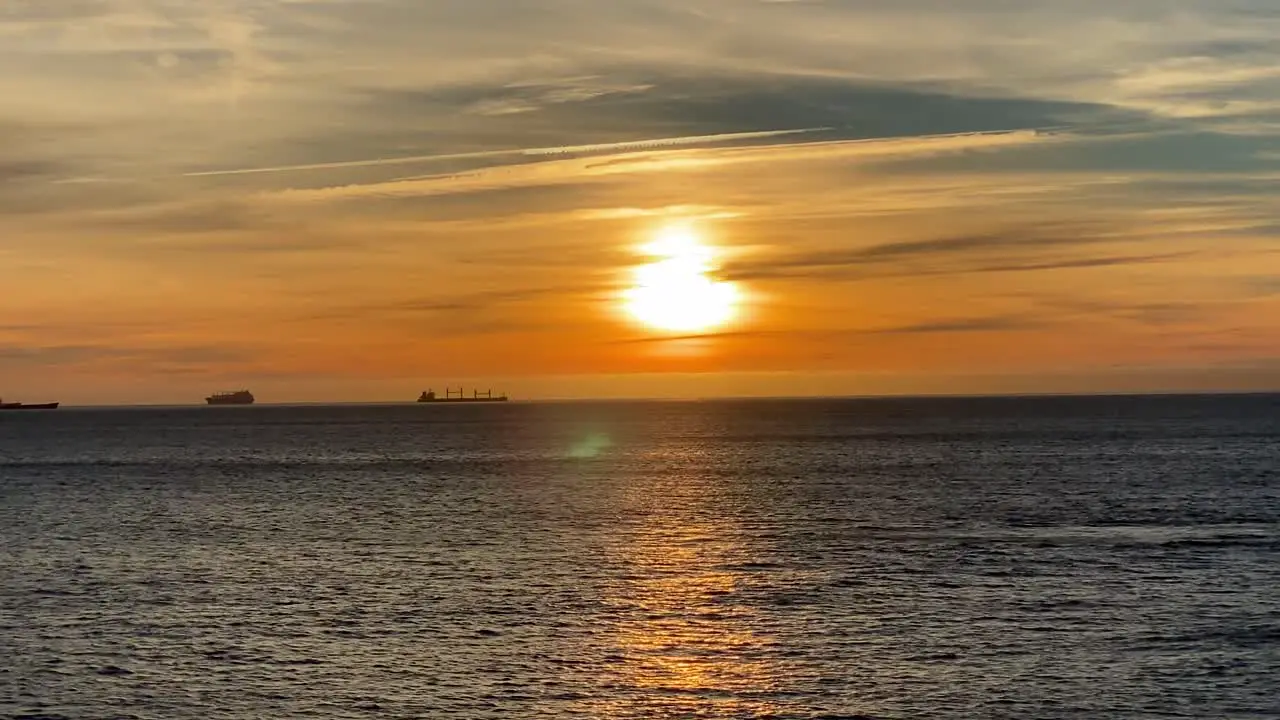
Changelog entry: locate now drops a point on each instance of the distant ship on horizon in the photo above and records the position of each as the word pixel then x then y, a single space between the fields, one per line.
pixel 238 397
pixel 21 406
pixel 457 396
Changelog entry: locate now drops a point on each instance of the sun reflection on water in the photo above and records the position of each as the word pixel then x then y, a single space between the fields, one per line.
pixel 687 642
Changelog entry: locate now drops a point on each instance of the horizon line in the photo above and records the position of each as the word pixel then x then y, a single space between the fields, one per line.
pixel 707 398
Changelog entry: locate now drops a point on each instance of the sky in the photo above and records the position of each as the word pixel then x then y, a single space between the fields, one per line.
pixel 361 199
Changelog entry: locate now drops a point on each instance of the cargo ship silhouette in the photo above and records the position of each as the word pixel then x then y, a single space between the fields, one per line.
pixel 238 397
pixel 457 396
pixel 20 406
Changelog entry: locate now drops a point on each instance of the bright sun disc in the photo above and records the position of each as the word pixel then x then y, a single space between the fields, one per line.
pixel 677 292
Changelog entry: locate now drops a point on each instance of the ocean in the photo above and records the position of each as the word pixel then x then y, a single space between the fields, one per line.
pixel 1103 557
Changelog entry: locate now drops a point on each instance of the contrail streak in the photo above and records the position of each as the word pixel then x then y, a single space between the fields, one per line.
pixel 528 152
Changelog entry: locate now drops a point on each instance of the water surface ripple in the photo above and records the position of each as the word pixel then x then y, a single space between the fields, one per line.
pixel 1020 558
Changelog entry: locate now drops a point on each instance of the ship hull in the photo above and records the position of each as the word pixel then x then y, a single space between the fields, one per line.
pixel 239 397
pixel 464 400
pixel 21 406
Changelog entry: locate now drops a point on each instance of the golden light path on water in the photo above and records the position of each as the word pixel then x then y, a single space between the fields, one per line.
pixel 677 291
pixel 689 645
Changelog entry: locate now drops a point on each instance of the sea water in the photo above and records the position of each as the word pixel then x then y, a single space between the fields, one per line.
pixel 946 558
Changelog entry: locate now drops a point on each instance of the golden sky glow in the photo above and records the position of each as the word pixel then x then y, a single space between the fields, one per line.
pixel 352 201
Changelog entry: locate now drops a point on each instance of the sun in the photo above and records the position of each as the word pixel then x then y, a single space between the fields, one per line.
pixel 677 292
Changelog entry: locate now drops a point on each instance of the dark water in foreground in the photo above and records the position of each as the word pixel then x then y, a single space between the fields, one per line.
pixel 1051 558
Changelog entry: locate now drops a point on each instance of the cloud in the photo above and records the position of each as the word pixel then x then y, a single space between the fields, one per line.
pixel 1142 313
pixel 997 240
pixel 33 12
pixel 579 170
pixel 1088 262
pixel 1163 154
pixel 962 325
pixel 473 302
pixel 80 354
pixel 615 147
pixel 992 324
pixel 989 251
pixel 12 171
pixel 1264 285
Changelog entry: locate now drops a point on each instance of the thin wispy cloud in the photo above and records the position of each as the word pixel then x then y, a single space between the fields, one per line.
pixel 645 160
pixel 598 148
